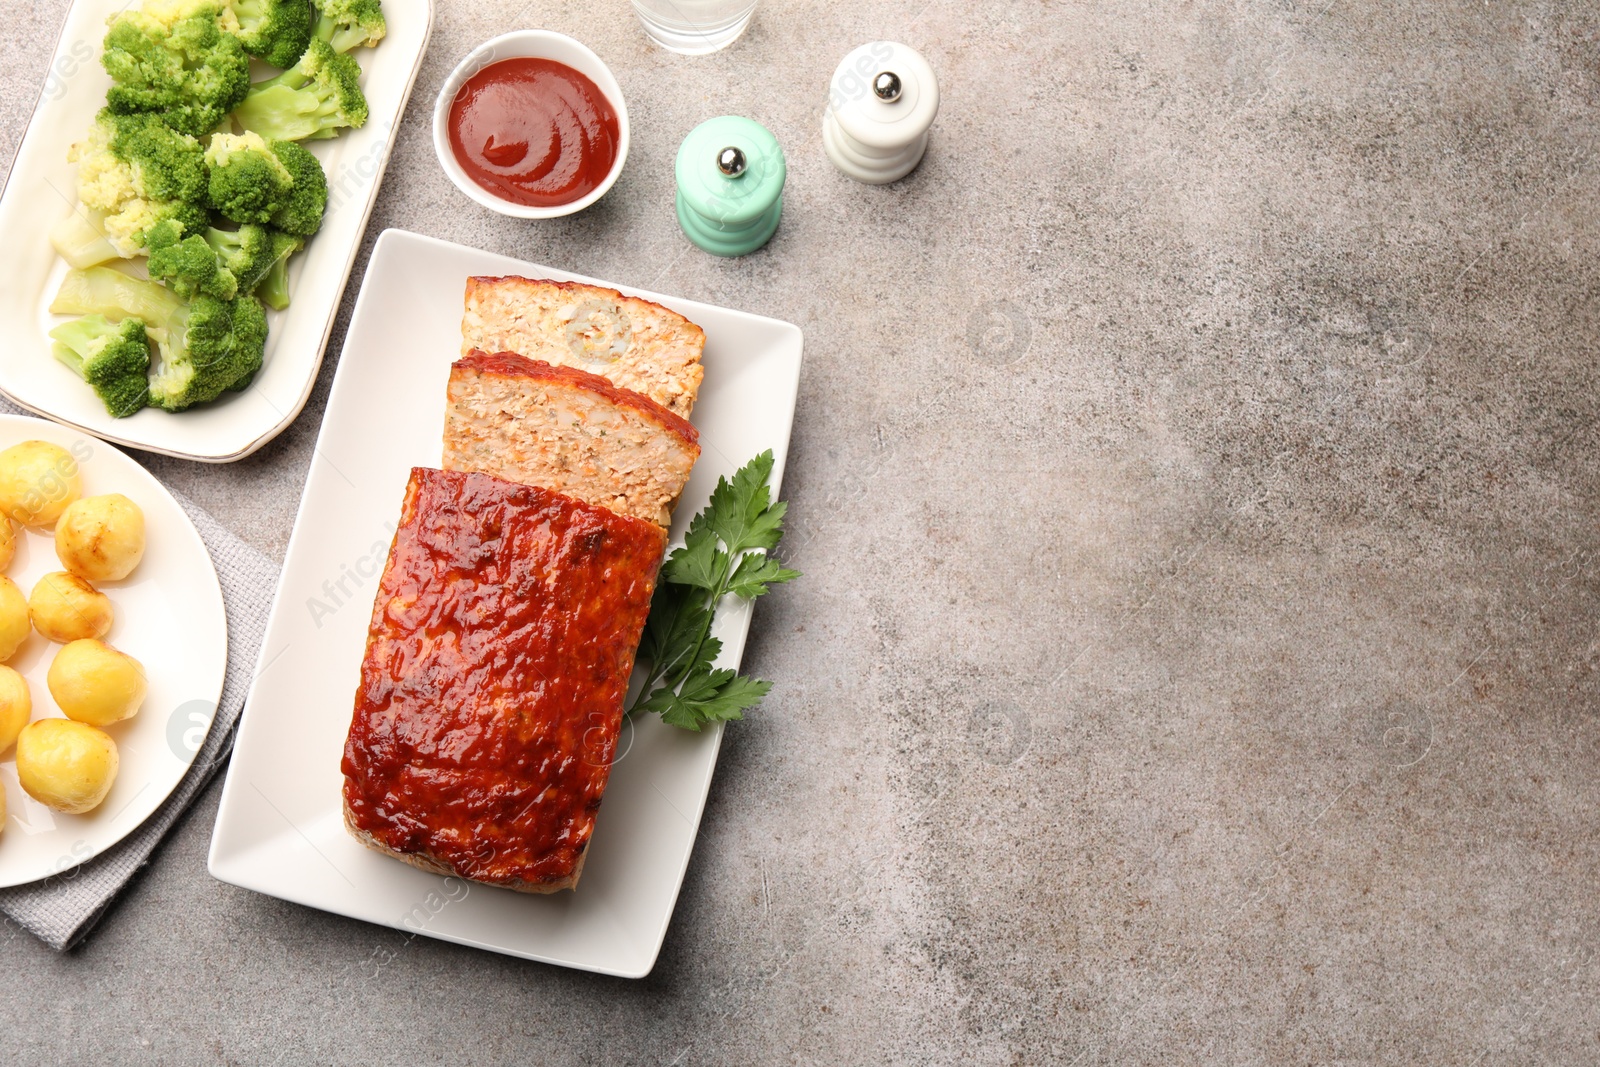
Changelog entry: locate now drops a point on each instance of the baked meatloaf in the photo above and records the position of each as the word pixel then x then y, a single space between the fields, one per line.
pixel 491 693
pixel 568 430
pixel 634 343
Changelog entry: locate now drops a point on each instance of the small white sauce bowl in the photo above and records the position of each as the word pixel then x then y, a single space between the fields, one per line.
pixel 535 44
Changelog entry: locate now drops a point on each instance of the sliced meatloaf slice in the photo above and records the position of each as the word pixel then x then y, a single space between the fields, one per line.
pixel 565 429
pixel 633 343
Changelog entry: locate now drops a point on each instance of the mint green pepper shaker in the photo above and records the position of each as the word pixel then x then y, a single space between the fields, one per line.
pixel 730 185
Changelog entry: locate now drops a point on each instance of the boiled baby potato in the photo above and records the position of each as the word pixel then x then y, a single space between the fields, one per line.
pixel 101 538
pixel 94 683
pixel 14 621
pixel 66 765
pixel 8 542
pixel 66 608
pixel 37 482
pixel 16 706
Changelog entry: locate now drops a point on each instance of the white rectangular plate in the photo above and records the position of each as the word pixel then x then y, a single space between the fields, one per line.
pixel 279 830
pixel 41 190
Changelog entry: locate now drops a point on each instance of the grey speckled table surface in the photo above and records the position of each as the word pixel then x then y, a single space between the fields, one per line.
pixel 1194 476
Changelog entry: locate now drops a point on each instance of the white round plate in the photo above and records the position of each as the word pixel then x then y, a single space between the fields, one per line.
pixel 169 616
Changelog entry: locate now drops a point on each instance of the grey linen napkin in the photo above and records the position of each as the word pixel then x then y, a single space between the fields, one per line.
pixel 61 909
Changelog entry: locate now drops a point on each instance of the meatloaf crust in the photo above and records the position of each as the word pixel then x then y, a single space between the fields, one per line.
pixel 635 343
pixel 567 430
pixel 497 661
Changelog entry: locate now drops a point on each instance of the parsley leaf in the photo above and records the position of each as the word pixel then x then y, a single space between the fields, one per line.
pixel 706 697
pixel 697 562
pixel 755 572
pixel 726 552
pixel 677 617
pixel 740 514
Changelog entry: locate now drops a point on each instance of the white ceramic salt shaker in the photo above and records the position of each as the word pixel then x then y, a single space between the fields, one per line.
pixel 880 104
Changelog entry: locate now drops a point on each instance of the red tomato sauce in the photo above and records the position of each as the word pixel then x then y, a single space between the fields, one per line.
pixel 534 132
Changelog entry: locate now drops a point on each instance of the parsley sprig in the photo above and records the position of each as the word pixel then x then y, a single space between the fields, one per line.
pixel 725 553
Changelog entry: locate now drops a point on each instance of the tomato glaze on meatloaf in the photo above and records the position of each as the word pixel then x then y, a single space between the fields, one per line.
pixel 497 662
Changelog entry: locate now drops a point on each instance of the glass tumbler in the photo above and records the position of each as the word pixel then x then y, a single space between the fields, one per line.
pixel 694 27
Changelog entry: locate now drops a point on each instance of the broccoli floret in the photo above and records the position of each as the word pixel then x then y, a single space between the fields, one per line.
pixel 206 345
pixel 273 30
pixel 301 215
pixel 247 181
pixel 112 357
pixel 191 266
pixel 127 156
pixel 188 72
pixel 135 173
pixel 274 288
pixel 312 100
pixel 211 346
pixel 130 228
pixel 249 341
pixel 347 24
pixel 248 253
